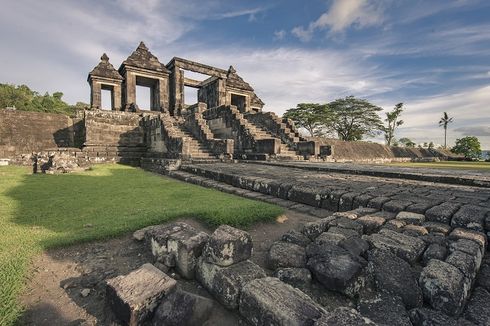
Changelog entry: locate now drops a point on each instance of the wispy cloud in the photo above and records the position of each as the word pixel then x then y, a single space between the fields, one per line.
pixel 342 15
pixel 280 35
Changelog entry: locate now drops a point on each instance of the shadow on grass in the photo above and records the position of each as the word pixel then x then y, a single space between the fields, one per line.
pixel 113 199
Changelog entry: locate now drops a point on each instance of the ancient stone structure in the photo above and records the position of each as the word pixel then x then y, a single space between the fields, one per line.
pixel 227 122
pixel 167 82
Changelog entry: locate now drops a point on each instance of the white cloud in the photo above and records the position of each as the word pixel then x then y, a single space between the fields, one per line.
pixel 280 35
pixel 342 15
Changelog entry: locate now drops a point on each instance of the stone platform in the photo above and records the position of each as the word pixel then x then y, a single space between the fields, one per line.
pixel 453 205
pixel 464 177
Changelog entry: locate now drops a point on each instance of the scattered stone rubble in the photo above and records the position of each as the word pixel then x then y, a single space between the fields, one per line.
pixel 360 267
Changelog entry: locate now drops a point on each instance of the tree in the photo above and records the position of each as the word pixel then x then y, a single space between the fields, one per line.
pixel 407 142
pixel 311 116
pixel 354 118
pixel 23 98
pixel 445 120
pixel 393 123
pixel 431 145
pixel 468 146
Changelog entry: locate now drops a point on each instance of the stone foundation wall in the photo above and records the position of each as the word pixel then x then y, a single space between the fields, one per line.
pixel 24 132
pixel 359 151
pixel 110 128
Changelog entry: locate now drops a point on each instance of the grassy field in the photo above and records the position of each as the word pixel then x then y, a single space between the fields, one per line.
pixel 482 166
pixel 38 212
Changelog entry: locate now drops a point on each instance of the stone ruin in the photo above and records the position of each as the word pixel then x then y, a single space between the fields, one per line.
pixel 227 122
pixel 360 267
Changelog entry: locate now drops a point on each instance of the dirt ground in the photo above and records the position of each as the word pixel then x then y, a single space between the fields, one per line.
pixel 66 286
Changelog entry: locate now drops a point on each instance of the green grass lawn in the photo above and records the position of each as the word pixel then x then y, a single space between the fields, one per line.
pixel 482 166
pixel 38 212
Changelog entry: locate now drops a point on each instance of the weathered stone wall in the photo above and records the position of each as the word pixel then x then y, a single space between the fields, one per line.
pixel 24 132
pixel 359 151
pixel 111 128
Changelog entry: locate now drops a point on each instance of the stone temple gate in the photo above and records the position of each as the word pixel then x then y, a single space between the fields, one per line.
pixel 167 82
pixel 227 120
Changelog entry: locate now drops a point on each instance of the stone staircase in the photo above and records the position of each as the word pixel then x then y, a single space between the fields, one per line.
pixel 198 150
pixel 261 133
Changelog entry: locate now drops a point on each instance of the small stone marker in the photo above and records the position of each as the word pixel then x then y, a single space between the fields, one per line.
pixel 134 297
pixel 228 246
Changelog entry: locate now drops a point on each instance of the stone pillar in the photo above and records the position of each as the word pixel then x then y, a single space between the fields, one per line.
pixel 116 97
pixel 95 94
pixel 162 87
pixel 130 89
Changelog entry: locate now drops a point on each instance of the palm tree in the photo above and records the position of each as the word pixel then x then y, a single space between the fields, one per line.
pixel 445 120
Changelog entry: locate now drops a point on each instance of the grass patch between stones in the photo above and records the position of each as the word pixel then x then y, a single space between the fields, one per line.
pixel 39 212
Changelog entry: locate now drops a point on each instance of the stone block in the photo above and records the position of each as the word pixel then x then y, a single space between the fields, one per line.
pixel 443 286
pixel 384 309
pixel 336 268
pixel 483 277
pixel 186 246
pixel 331 201
pixel 378 202
pixel 346 223
pixel 430 317
pixel 464 262
pixel 469 247
pixel 346 201
pixel 436 227
pixel 476 236
pixel 183 308
pixel 442 213
pixel 356 246
pixel 396 206
pixel 227 246
pixel 371 224
pixel 434 251
pixel 226 283
pixel 404 246
pixel 394 275
pixel 344 316
pixel 268 301
pixel 470 217
pixel 305 195
pixel 134 297
pixel 330 237
pixel 285 254
pixel 411 218
pixel 394 225
pixel 314 229
pixel 478 307
pixel 296 237
pixel 297 277
pixel 350 215
pixel 157 236
pixel 414 230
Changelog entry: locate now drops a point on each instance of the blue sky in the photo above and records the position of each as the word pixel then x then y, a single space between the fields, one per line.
pixel 432 55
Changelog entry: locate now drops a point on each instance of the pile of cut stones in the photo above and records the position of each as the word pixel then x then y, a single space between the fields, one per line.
pixel 361 267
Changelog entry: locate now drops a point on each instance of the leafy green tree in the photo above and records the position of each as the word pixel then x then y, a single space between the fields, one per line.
pixel 313 117
pixel 406 142
pixel 468 146
pixel 353 118
pixel 23 98
pixel 393 122
pixel 444 122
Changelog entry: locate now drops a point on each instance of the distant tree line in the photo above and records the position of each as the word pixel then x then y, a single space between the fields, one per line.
pixel 23 98
pixel 352 119
pixel 348 118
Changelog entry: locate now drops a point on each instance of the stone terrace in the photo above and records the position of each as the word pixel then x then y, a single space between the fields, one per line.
pixel 457 206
